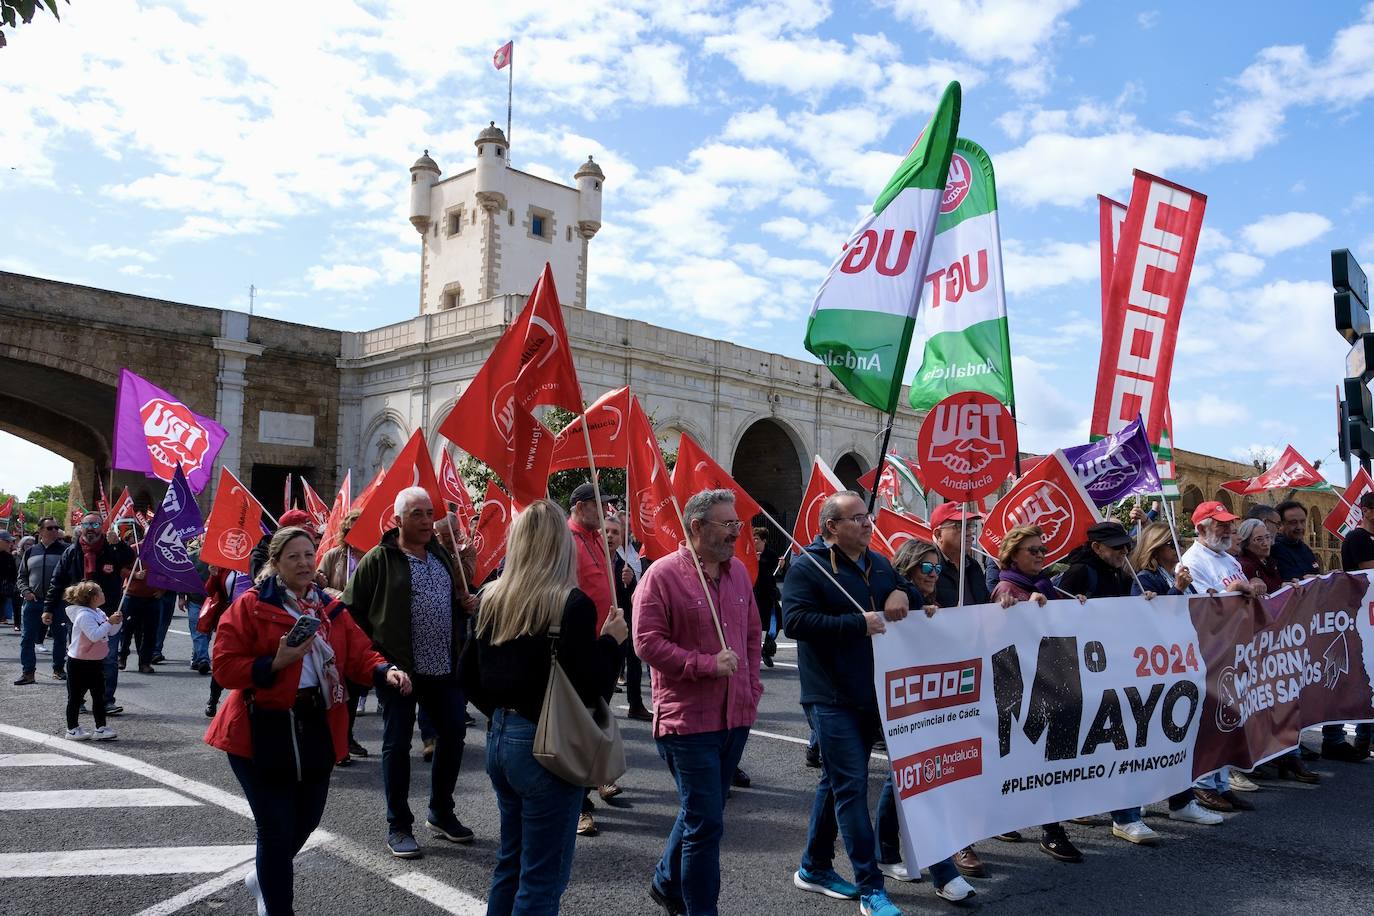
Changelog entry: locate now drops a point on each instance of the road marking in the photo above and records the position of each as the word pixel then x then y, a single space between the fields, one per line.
pixel 784 665
pixel 384 867
pixel 198 893
pixel 99 863
pixel 40 760
pixel 93 798
pixel 802 741
pixel 445 897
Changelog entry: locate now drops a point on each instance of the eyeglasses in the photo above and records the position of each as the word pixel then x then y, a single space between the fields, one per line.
pixel 927 568
pixel 859 519
pixel 1036 551
pixel 734 525
pixel 89 525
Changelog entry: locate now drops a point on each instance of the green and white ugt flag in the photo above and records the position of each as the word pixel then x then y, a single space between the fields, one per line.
pixel 865 311
pixel 964 322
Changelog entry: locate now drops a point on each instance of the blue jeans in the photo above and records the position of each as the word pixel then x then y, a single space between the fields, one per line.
pixel 846 738
pixel 1363 731
pixel 442 699
pixel 1219 781
pixel 1126 816
pixel 200 642
pixel 702 765
pixel 538 822
pixel 169 609
pixel 31 635
pixel 285 814
pixel 890 837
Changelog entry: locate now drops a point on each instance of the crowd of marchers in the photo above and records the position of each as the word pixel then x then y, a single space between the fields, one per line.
pixel 300 641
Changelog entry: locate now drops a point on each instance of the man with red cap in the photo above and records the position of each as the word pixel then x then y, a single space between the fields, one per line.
pixel 948 523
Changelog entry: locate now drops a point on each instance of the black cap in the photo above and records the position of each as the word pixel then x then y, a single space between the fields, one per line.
pixel 584 492
pixel 1111 534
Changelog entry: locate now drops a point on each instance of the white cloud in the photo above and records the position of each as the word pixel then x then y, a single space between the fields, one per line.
pixel 200 228
pixel 753 126
pixel 103 252
pixel 1283 231
pixel 1053 264
pixel 1240 265
pixel 342 278
pixel 1148 19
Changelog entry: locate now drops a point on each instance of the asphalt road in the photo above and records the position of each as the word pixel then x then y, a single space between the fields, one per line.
pixel 172 835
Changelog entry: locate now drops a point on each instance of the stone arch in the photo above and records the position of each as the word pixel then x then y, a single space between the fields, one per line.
pixel 384 435
pixel 769 461
pixel 849 467
pixel 669 431
pixel 1225 498
pixel 1190 499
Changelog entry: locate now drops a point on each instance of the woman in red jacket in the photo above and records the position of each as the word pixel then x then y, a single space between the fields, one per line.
pixel 286 722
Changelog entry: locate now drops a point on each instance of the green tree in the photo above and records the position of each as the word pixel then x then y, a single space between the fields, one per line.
pixel 13 12
pixel 49 499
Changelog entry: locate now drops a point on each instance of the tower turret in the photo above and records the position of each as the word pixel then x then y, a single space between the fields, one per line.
pixel 423 174
pixel 589 178
pixel 492 155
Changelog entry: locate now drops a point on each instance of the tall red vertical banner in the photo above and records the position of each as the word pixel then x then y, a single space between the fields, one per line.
pixel 1150 272
pixel 1110 215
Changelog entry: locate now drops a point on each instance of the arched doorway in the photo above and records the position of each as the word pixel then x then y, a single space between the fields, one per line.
pixel 1192 498
pixel 849 469
pixel 768 464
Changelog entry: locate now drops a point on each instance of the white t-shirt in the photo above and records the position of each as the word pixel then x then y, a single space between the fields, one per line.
pixel 1211 569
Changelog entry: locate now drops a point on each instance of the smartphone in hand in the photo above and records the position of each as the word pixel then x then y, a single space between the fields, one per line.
pixel 304 629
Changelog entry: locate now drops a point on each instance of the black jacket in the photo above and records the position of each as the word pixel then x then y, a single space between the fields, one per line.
pixel 71 569
pixel 975 583
pixel 1087 575
pixel 834 651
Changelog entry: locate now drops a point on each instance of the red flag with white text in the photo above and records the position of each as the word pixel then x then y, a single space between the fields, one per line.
pixel 122 509
pixel 607 422
pixel 896 528
pixel 502 58
pixel 455 491
pixel 649 493
pixel 233 528
pixel 821 484
pixel 489 534
pixel 1049 496
pixel 332 534
pixel 314 506
pixel 1150 272
pixel 1290 471
pixel 1347 514
pixel 695 471
pixel 412 468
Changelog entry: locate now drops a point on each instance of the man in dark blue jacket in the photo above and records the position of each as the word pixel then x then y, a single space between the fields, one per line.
pixel 833 630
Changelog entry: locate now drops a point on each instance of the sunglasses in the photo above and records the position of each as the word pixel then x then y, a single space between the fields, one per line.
pixel 89 525
pixel 1036 551
pixel 927 568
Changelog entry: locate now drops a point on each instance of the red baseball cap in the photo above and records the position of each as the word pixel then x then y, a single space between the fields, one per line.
pixel 950 512
pixel 295 518
pixel 1212 510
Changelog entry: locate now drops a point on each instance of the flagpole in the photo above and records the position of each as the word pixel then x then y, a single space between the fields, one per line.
pixel 457 557
pixel 510 94
pixel 882 460
pixel 696 563
pixel 963 540
pixel 787 533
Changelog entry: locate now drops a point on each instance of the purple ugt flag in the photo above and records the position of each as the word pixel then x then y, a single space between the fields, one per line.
pixel 1117 466
pixel 154 433
pixel 163 553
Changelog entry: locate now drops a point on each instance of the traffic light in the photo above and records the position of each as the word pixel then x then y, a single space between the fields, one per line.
pixel 1352 322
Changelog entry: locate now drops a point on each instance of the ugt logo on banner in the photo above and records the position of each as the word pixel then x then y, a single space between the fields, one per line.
pixel 967 445
pixel 1051 497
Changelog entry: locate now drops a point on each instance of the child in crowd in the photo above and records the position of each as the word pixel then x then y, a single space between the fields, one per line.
pixel 90 641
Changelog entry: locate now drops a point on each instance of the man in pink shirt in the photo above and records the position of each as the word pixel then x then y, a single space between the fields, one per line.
pixel 705 693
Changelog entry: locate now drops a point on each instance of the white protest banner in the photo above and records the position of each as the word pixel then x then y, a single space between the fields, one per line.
pixel 997 720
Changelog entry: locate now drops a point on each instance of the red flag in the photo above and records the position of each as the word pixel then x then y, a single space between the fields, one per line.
pixel 234 525
pixel 412 468
pixel 649 497
pixel 1051 497
pixel 1150 274
pixel 823 483
pixel 489 535
pixel 7 510
pixel 318 511
pixel 501 59
pixel 696 471
pixel 606 420
pixel 530 365
pixel 103 502
pixel 1291 471
pixel 123 508
pixel 331 536
pixel 455 491
pixel 1347 514
pixel 1110 216
pixel 899 527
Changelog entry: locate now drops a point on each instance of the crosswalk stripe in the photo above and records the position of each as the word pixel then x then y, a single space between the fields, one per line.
pixel 40 760
pixel 158 860
pixel 93 798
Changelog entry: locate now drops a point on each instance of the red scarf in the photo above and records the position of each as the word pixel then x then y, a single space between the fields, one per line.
pixel 90 553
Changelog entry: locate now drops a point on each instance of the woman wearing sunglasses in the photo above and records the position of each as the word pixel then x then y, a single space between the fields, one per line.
pixel 1022 558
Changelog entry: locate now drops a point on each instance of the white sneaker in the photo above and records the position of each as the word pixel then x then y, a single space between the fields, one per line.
pixel 956 890
pixel 1193 813
pixel 1242 783
pixel 250 880
pixel 77 734
pixel 105 733
pixel 43 649
pixel 898 871
pixel 1135 832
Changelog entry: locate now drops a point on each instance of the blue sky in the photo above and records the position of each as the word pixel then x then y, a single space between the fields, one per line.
pixel 185 151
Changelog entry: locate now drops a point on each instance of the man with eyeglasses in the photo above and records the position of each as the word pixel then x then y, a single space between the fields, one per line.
pixel 705 694
pixel 105 561
pixel 952 525
pixel 36 568
pixel 835 599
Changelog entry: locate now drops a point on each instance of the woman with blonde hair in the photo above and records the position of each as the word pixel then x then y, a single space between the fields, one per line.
pixel 504 672
pixel 1155 562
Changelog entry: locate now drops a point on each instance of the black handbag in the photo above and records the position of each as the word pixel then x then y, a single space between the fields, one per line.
pixel 291 745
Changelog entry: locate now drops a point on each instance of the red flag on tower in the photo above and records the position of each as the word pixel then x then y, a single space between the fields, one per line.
pixel 531 365
pixel 501 59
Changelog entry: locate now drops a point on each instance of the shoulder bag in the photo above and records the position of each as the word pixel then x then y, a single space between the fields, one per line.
pixel 579 745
